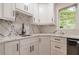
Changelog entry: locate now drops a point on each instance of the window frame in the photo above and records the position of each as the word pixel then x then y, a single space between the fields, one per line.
pixel 59 16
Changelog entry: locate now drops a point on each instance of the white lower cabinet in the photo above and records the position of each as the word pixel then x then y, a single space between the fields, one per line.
pixel 58 46
pixel 12 48
pixel 1 49
pixel 44 46
pixel 29 46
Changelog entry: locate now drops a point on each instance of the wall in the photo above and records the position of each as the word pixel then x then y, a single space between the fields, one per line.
pixel 15 28
pixel 47 28
pixel 5 27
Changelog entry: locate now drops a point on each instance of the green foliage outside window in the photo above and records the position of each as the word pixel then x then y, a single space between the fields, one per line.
pixel 67 18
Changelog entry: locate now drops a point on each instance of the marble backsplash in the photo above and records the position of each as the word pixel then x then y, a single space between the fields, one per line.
pixel 15 28
pixel 5 27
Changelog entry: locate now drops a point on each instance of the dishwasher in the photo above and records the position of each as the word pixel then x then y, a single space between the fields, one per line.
pixel 72 46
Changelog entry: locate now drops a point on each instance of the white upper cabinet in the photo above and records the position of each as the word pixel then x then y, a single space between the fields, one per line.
pixel 20 6
pixel 30 7
pixel 36 14
pixel 7 11
pixel 44 13
pixel 25 8
pixel 51 13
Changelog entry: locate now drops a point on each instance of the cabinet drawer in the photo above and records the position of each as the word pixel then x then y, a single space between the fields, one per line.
pixel 58 47
pixel 59 39
pixel 54 52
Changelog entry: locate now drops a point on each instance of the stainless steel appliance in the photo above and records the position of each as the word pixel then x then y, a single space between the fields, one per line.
pixel 72 46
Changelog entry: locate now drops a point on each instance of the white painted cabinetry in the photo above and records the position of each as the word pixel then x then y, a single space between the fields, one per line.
pixel 36 13
pixel 1 48
pixel 7 11
pixel 24 9
pixel 29 46
pixel 12 48
pixel 20 6
pixel 58 46
pixel 44 13
pixel 44 46
pixel 30 7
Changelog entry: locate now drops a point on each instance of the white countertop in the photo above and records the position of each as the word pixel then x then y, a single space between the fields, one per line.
pixel 11 38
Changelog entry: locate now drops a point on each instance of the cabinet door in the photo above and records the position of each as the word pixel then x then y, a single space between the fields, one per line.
pixel 43 13
pixel 9 11
pixel 33 48
pixel 46 13
pixel 51 12
pixel 44 46
pixel 24 48
pixel 36 13
pixel 20 6
pixel 1 49
pixel 28 48
pixel 12 48
pixel 30 8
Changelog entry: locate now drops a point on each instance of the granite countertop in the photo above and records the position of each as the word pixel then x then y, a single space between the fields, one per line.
pixel 12 38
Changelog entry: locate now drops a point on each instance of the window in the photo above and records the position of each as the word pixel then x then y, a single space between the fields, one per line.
pixel 68 17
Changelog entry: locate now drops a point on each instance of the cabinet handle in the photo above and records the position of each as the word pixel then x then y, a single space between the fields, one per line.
pixel 57 39
pixel 57 47
pixel 52 19
pixel 30 49
pixel 17 47
pixel 13 13
pixel 24 7
pixel 34 18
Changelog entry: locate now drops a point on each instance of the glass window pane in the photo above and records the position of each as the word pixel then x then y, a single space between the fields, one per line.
pixel 67 17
